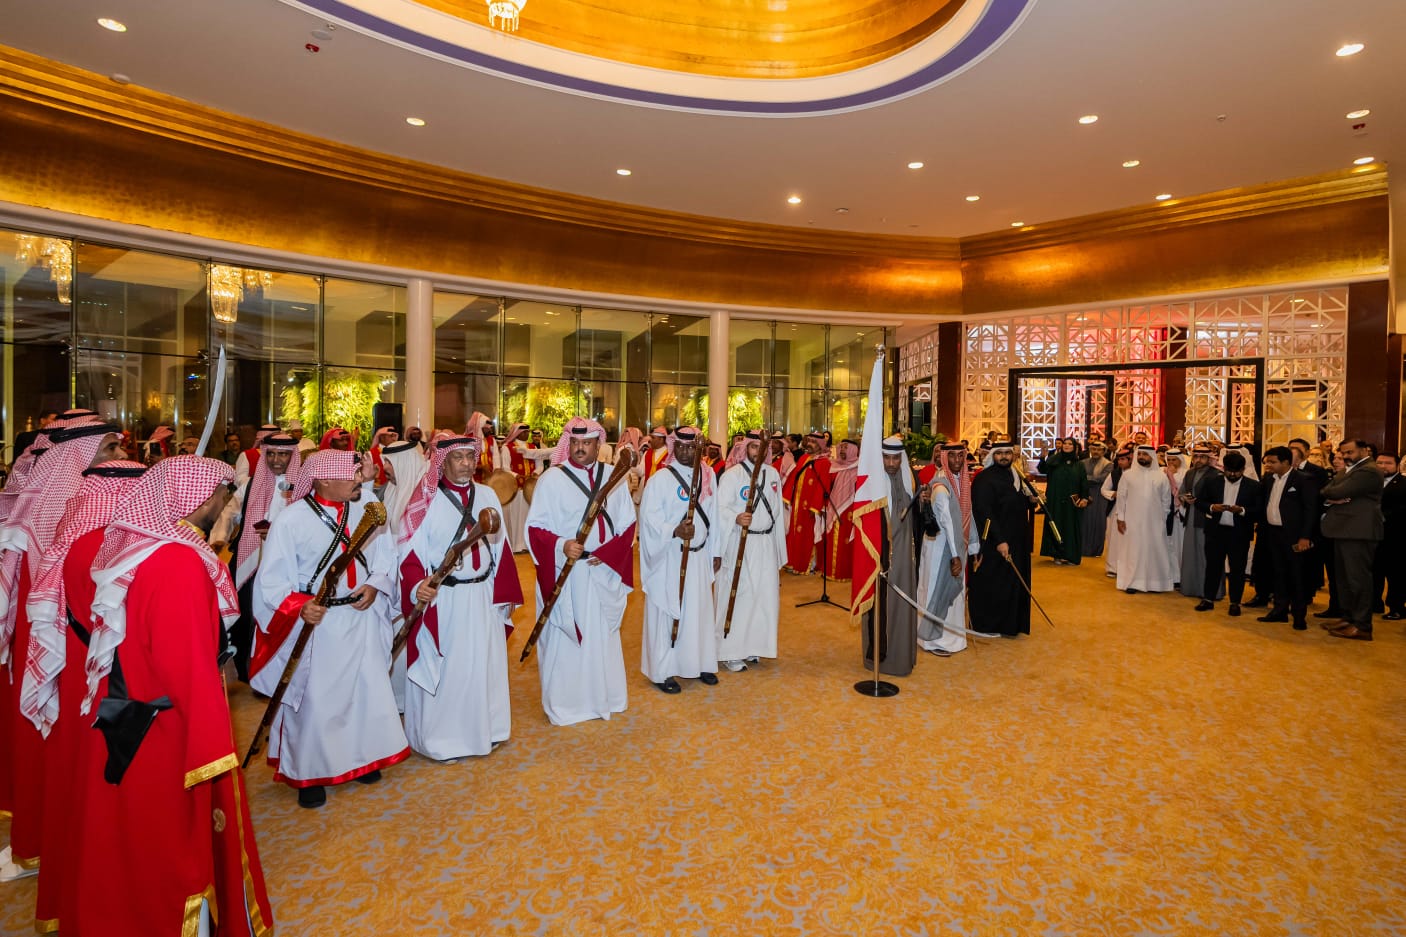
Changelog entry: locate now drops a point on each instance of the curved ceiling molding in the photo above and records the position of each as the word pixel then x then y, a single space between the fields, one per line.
pixel 971 30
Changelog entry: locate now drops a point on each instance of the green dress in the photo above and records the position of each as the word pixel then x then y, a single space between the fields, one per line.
pixel 1065 480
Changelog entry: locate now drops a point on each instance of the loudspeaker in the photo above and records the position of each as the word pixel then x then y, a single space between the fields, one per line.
pixel 388 414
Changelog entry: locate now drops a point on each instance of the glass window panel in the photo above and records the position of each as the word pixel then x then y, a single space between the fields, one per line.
pixel 35 381
pixel 678 349
pixel 539 340
pixel 750 351
pixel 138 301
pixel 542 403
pixel 674 405
pixel 363 324
pixel 143 392
pixel 457 395
pixel 800 354
pixel 33 310
pixel 276 315
pixel 466 333
pixel 612 363
pixel 350 394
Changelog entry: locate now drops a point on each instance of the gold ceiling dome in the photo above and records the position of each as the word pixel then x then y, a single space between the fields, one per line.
pixel 727 38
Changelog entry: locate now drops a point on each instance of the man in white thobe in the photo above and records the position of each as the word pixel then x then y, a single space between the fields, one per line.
pixel 242 527
pixel 510 458
pixel 338 721
pixel 456 701
pixel 1144 498
pixel 751 632
pixel 580 660
pixel 942 574
pixel 665 533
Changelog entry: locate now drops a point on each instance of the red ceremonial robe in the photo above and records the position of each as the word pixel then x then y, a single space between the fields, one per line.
pixel 177 829
pixel 839 552
pixel 805 493
pixel 26 745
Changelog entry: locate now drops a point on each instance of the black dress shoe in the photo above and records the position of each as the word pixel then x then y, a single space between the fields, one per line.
pixel 312 797
pixel 1393 616
pixel 370 777
pixel 708 679
pixel 1300 624
pixel 1329 612
pixel 1205 605
pixel 670 686
pixel 1273 616
pixel 1258 602
pixel 1234 610
pixel 1130 591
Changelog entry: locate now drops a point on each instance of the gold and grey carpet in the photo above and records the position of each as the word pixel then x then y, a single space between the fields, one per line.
pixel 1138 770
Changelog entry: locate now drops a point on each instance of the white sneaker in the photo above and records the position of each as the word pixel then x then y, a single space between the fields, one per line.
pixel 733 665
pixel 754 660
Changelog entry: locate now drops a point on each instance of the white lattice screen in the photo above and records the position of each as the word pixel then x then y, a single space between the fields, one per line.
pixel 1302 335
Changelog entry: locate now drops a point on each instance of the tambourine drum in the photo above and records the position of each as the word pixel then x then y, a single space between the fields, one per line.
pixel 528 487
pixel 504 484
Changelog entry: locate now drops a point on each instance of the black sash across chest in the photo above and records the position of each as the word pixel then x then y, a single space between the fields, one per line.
pixel 698 510
pixel 339 538
pixel 591 493
pixel 762 500
pixel 466 518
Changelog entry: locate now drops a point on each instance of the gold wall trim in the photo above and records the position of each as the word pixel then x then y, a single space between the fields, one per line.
pixel 27 77
pixel 1226 205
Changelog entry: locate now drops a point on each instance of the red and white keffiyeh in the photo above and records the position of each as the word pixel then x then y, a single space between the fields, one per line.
pixel 260 496
pixel 37 512
pixel 335 432
pixel 631 439
pixel 147 520
pixel 962 482
pixel 691 434
pixel 425 490
pixel 518 431
pixel 328 465
pixel 25 462
pixel 102 490
pixel 738 452
pixel 578 427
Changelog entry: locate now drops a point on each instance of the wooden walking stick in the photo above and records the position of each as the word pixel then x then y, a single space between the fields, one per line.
pixel 372 518
pixel 694 489
pixel 753 492
pixel 624 461
pixel 487 526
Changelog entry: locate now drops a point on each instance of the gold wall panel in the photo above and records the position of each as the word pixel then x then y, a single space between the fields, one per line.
pixel 1316 242
pixel 737 39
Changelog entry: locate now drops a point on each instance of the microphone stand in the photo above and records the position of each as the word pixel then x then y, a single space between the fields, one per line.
pixel 824 555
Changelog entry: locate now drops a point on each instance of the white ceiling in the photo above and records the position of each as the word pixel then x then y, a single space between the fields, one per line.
pixel 1159 73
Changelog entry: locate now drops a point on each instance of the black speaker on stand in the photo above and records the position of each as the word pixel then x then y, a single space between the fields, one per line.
pixel 388 414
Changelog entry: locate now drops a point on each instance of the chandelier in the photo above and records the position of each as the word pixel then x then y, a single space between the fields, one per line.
pixel 229 284
pixel 504 14
pixel 53 255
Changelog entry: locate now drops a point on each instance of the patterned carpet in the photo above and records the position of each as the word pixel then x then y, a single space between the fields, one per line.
pixel 1138 770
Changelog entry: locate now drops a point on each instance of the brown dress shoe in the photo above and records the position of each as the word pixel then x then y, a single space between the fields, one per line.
pixel 1352 633
pixel 1334 625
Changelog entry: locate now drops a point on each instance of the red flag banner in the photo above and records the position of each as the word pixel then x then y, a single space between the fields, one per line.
pixel 871 491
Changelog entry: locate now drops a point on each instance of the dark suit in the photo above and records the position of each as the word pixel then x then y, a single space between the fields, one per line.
pixel 1356 528
pixel 1298 516
pixel 1390 567
pixel 1227 542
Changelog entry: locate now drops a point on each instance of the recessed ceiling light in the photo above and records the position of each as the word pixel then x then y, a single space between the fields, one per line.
pixel 1354 115
pixel 415 121
pixel 1017 224
pixel 916 164
pixel 119 78
pixel 1364 160
pixel 842 211
pixel 794 200
pixel 112 24
pixel 624 172
pixel 552 313
pixel 973 198
pixel 1351 48
pixel 1131 163
pixel 1164 196
pixel 512 318
pixel 1089 119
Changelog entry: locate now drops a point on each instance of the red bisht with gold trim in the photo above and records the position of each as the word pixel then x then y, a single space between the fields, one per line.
pixel 871 491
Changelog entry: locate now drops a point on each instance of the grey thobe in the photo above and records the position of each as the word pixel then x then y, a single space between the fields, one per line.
pixel 1193 545
pixel 901 648
pixel 1095 516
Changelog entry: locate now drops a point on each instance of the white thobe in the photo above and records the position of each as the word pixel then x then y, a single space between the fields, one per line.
pixel 338 719
pixel 1112 540
pixel 515 511
pixel 456 695
pixel 579 657
pixel 937 554
pixel 758 606
pixel 1143 501
pixel 662 508
pixel 1177 538
pixel 232 517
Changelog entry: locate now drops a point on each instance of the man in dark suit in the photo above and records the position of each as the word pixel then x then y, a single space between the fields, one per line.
pixel 1353 518
pixel 1289 509
pixel 1229 503
pixel 1318 565
pixel 1391 552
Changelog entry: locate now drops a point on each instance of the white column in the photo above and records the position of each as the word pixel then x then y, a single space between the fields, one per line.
pixel 718 327
pixel 419 355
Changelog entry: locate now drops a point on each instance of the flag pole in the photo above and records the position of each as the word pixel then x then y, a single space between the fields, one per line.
pixel 878 610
